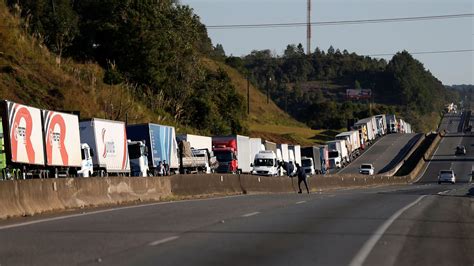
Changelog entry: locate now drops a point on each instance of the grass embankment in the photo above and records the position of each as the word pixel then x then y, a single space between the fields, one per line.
pixel 30 74
pixel 416 156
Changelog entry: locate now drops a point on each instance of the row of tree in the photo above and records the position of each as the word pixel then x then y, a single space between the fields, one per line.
pixel 155 45
pixel 401 85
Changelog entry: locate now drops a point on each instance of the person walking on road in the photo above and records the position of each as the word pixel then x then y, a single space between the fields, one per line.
pixel 301 178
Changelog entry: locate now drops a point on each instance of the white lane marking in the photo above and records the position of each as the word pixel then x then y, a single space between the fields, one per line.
pixel 301 202
pixel 443 192
pixel 250 214
pixel 162 241
pixel 107 210
pixel 364 252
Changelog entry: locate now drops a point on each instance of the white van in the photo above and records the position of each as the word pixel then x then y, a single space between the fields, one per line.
pixel 265 163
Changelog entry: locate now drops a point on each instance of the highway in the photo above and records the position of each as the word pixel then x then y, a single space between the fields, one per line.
pixel 338 228
pixel 419 224
pixel 444 157
pixel 384 154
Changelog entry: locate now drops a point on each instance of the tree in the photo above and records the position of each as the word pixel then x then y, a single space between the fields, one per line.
pixel 54 20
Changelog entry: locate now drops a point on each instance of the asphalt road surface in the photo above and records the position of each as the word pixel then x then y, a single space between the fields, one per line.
pixel 419 224
pixel 385 154
pixel 444 157
pixel 423 224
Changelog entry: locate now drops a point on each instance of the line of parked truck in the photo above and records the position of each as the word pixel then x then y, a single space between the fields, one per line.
pixel 348 145
pixel 43 143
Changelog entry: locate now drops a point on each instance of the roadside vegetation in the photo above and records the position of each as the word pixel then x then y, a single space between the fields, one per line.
pixel 313 89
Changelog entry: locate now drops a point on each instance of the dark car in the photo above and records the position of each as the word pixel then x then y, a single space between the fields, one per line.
pixel 460 150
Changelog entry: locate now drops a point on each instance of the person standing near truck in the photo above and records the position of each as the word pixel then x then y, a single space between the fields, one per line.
pixel 301 178
pixel 166 167
pixel 290 169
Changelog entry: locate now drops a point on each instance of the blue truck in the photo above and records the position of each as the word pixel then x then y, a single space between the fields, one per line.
pixel 161 144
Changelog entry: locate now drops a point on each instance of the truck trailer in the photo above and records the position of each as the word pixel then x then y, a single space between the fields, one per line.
pixel 195 154
pixel 392 123
pixel 107 141
pixel 161 143
pixel 338 154
pixel 232 153
pixel 62 143
pixel 319 158
pixel 22 153
pixel 38 143
pixel 381 124
pixel 255 147
pixel 352 139
pixel 197 142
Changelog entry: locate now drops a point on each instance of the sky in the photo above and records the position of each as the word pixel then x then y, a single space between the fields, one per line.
pixel 365 39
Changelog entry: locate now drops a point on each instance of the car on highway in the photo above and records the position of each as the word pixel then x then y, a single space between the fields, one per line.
pixel 367 169
pixel 460 150
pixel 446 176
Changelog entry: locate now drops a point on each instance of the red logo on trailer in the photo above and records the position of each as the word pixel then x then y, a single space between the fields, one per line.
pixel 57 120
pixel 25 133
pixel 104 154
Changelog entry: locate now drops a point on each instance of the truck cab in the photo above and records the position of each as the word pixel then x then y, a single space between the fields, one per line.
pixel 225 150
pixel 335 161
pixel 138 154
pixel 208 159
pixel 87 166
pixel 307 165
pixel 227 159
pixel 265 163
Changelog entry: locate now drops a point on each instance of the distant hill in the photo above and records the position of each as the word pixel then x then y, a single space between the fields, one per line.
pixel 461 87
pixel 313 88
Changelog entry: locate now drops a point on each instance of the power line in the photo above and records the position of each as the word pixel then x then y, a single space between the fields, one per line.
pixel 339 22
pixel 428 52
pixel 306 58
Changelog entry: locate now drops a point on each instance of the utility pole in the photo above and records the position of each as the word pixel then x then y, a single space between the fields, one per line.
pixel 268 89
pixel 248 95
pixel 308 33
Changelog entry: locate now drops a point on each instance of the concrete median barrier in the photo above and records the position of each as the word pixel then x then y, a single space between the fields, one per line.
pixel 30 197
pixel 189 185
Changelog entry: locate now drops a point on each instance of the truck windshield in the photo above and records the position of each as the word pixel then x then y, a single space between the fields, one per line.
pixel 224 156
pixel 306 163
pixel 263 162
pixel 134 151
pixel 333 154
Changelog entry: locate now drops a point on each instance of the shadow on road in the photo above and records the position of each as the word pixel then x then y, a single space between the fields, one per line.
pixel 401 154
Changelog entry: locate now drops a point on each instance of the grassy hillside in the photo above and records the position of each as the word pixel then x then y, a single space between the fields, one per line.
pixel 29 74
pixel 261 113
pixel 268 121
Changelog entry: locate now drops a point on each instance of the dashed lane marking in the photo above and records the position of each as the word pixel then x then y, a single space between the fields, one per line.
pixel 250 214
pixel 164 240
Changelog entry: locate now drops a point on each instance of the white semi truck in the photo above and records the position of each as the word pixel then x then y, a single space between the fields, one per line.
pixel 108 141
pixel 338 154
